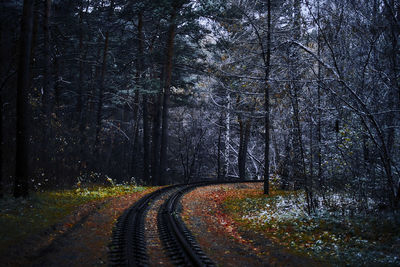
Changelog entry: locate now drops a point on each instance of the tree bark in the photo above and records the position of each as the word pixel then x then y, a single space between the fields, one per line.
pixel 47 62
pixel 1 139
pixel 319 135
pixel 243 144
pixel 46 98
pixel 79 105
pixel 155 144
pixel 35 28
pixel 146 139
pixel 219 151
pixel 21 186
pixel 101 91
pixel 167 92
pixel 266 100
pixel 2 55
pixel 227 135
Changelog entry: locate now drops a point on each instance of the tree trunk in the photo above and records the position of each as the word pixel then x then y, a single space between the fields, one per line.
pixel 35 28
pixel 146 141
pixel 1 140
pixel 155 144
pixel 57 84
pixel 47 62
pixel 135 126
pixel 394 94
pixel 227 135
pixel 219 151
pixel 135 145
pixel 266 100
pixel 167 92
pixel 46 99
pixel 243 144
pixel 79 105
pixel 2 55
pixel 22 140
pixel 319 135
pixel 101 92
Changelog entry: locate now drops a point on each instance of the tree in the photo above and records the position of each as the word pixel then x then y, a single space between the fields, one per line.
pixel 22 138
pixel 267 63
pixel 177 4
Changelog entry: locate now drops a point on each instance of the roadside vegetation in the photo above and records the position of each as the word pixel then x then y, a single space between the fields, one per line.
pixel 336 232
pixel 21 218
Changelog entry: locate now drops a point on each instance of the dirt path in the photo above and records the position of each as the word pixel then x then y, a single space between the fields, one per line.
pixel 81 239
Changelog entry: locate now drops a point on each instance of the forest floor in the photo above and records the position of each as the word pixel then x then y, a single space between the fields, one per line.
pixel 222 238
pixel 63 228
pixel 73 228
pixel 276 230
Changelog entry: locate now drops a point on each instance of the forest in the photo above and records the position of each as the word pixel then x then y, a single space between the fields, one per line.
pixel 303 95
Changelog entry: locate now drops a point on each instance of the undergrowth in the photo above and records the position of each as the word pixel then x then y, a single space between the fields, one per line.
pixel 20 218
pixel 358 240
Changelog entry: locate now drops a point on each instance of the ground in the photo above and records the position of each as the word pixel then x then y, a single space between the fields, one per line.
pixel 81 238
pixel 223 240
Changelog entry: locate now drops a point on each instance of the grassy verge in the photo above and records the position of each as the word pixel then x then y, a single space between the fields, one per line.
pixel 358 240
pixel 20 218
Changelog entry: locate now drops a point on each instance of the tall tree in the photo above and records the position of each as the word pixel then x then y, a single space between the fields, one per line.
pixel 47 62
pixel 145 114
pixel 101 90
pixel 267 63
pixel 22 139
pixel 177 4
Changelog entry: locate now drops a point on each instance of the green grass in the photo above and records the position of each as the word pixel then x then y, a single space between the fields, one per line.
pixel 20 218
pixel 359 240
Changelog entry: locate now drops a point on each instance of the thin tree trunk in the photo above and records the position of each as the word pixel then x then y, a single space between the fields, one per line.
pixel 46 99
pixel 311 180
pixel 266 100
pixel 227 135
pixel 219 151
pixel 101 83
pixel 276 148
pixel 135 145
pixel 243 144
pixel 240 151
pixel 146 141
pixel 22 140
pixel 35 28
pixel 135 135
pixel 319 135
pixel 155 144
pixel 101 91
pixel 79 106
pixel 57 84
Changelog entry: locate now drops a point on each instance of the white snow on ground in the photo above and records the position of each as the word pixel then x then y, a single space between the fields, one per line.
pixel 293 207
pixel 342 210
